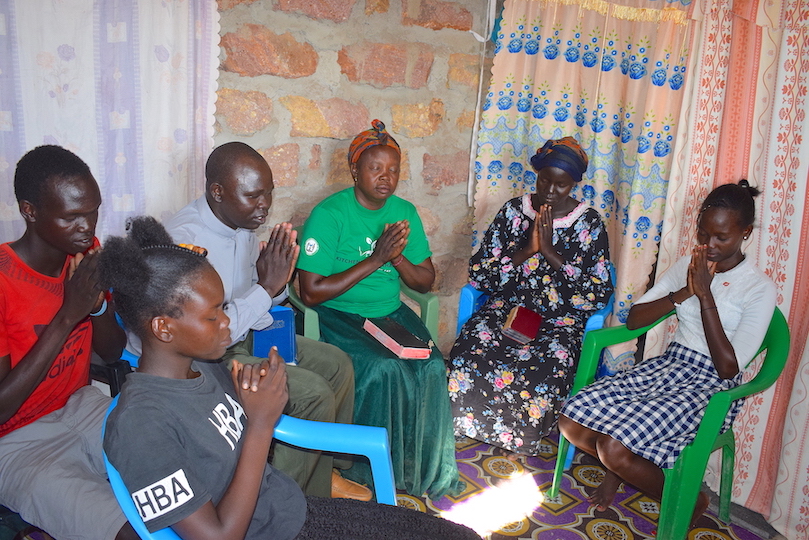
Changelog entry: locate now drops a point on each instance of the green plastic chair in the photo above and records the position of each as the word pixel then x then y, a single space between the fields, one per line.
pixel 683 481
pixel 428 306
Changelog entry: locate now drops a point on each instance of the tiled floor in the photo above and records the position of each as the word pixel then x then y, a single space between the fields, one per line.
pixel 503 500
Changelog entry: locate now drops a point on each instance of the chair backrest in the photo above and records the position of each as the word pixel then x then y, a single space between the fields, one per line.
pixel 125 500
pixel 471 299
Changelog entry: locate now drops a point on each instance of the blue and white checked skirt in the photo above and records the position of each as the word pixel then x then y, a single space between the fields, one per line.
pixel 655 408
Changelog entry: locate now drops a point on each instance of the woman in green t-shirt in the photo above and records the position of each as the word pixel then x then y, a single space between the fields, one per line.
pixel 357 244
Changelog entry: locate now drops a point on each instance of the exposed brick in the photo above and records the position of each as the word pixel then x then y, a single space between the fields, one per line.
pixel 429 220
pixel 465 120
pixel 418 120
pixel 464 70
pixel 463 228
pixel 335 117
pixel 283 160
pixel 345 119
pixel 227 4
pixel 376 6
pixel 339 173
pixel 451 273
pixel 255 50
pixel 445 170
pixel 315 160
pixel 334 10
pixel 387 64
pixel 435 14
pixel 244 113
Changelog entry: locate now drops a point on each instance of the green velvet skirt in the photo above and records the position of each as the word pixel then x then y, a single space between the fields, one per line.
pixel 408 397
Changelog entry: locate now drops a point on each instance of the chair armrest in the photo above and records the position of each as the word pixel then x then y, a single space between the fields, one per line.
pixel 428 304
pixel 125 500
pixel 311 320
pixel 597 340
pixel 368 441
pixel 776 343
pixel 599 318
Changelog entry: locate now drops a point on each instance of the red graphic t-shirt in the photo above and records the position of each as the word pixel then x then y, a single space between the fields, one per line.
pixel 28 302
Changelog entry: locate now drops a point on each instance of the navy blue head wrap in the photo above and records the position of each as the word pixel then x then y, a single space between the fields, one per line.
pixel 564 153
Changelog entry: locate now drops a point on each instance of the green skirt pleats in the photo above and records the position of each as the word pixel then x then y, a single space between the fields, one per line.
pixel 408 397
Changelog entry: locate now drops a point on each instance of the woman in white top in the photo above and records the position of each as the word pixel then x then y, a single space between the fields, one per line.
pixel 638 421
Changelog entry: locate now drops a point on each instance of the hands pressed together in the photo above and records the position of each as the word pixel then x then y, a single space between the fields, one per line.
pixel 262 389
pixel 700 273
pixel 83 293
pixel 392 241
pixel 540 239
pixel 277 258
pixel 540 235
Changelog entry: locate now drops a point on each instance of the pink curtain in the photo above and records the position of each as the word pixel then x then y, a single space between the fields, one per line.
pixel 733 104
pixel 747 118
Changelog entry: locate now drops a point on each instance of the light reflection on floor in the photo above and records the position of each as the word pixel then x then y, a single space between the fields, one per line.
pixel 511 500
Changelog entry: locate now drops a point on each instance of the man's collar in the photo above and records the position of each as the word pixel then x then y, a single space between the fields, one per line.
pixel 212 222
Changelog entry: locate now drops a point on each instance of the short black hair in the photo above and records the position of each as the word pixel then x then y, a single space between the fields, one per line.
pixel 738 197
pixel 223 158
pixel 42 164
pixel 148 274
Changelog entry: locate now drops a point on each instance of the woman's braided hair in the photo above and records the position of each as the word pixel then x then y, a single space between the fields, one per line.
pixel 148 274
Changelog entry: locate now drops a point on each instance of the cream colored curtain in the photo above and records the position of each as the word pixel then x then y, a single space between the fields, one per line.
pixel 128 85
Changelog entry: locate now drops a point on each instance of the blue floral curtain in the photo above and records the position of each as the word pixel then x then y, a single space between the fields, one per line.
pixel 613 76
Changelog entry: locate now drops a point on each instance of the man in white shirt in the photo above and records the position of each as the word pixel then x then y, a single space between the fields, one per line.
pixel 238 195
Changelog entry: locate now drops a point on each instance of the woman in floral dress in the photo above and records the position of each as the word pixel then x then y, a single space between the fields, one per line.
pixel 547 252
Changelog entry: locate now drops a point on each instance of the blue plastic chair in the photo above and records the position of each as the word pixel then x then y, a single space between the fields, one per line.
pixel 471 300
pixel 369 441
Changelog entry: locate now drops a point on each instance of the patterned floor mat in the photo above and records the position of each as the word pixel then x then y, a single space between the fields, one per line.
pixel 501 501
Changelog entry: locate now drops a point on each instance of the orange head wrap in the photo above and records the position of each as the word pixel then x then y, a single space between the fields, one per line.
pixel 373 137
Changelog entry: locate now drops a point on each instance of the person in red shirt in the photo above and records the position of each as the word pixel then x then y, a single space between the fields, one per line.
pixel 53 314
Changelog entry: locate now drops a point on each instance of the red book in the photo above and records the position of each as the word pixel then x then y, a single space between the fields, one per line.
pixel 397 338
pixel 522 324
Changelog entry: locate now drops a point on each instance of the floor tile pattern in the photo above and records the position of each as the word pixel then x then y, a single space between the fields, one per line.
pixel 503 500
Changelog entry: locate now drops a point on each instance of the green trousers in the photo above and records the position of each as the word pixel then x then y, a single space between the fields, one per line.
pixel 321 387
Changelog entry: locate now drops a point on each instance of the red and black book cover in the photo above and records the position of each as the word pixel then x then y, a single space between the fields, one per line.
pixel 522 324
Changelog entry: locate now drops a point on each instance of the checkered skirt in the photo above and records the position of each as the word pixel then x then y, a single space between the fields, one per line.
pixel 655 408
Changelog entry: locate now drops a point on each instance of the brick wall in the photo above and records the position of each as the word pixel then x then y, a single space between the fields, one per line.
pixel 300 78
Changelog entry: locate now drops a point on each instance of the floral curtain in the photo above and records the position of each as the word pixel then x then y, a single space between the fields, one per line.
pixel 671 100
pixel 128 85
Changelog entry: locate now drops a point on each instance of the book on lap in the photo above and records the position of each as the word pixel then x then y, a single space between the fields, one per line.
pixel 398 339
pixel 522 324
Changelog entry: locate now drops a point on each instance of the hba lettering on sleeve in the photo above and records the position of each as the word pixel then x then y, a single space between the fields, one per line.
pixel 163 496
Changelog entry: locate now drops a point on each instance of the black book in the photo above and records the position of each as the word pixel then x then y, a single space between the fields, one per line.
pixel 397 338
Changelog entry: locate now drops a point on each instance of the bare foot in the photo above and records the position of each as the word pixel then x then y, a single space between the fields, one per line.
pixel 699 509
pixel 511 456
pixel 604 494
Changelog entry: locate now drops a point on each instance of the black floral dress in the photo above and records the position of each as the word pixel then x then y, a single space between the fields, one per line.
pixel 504 393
